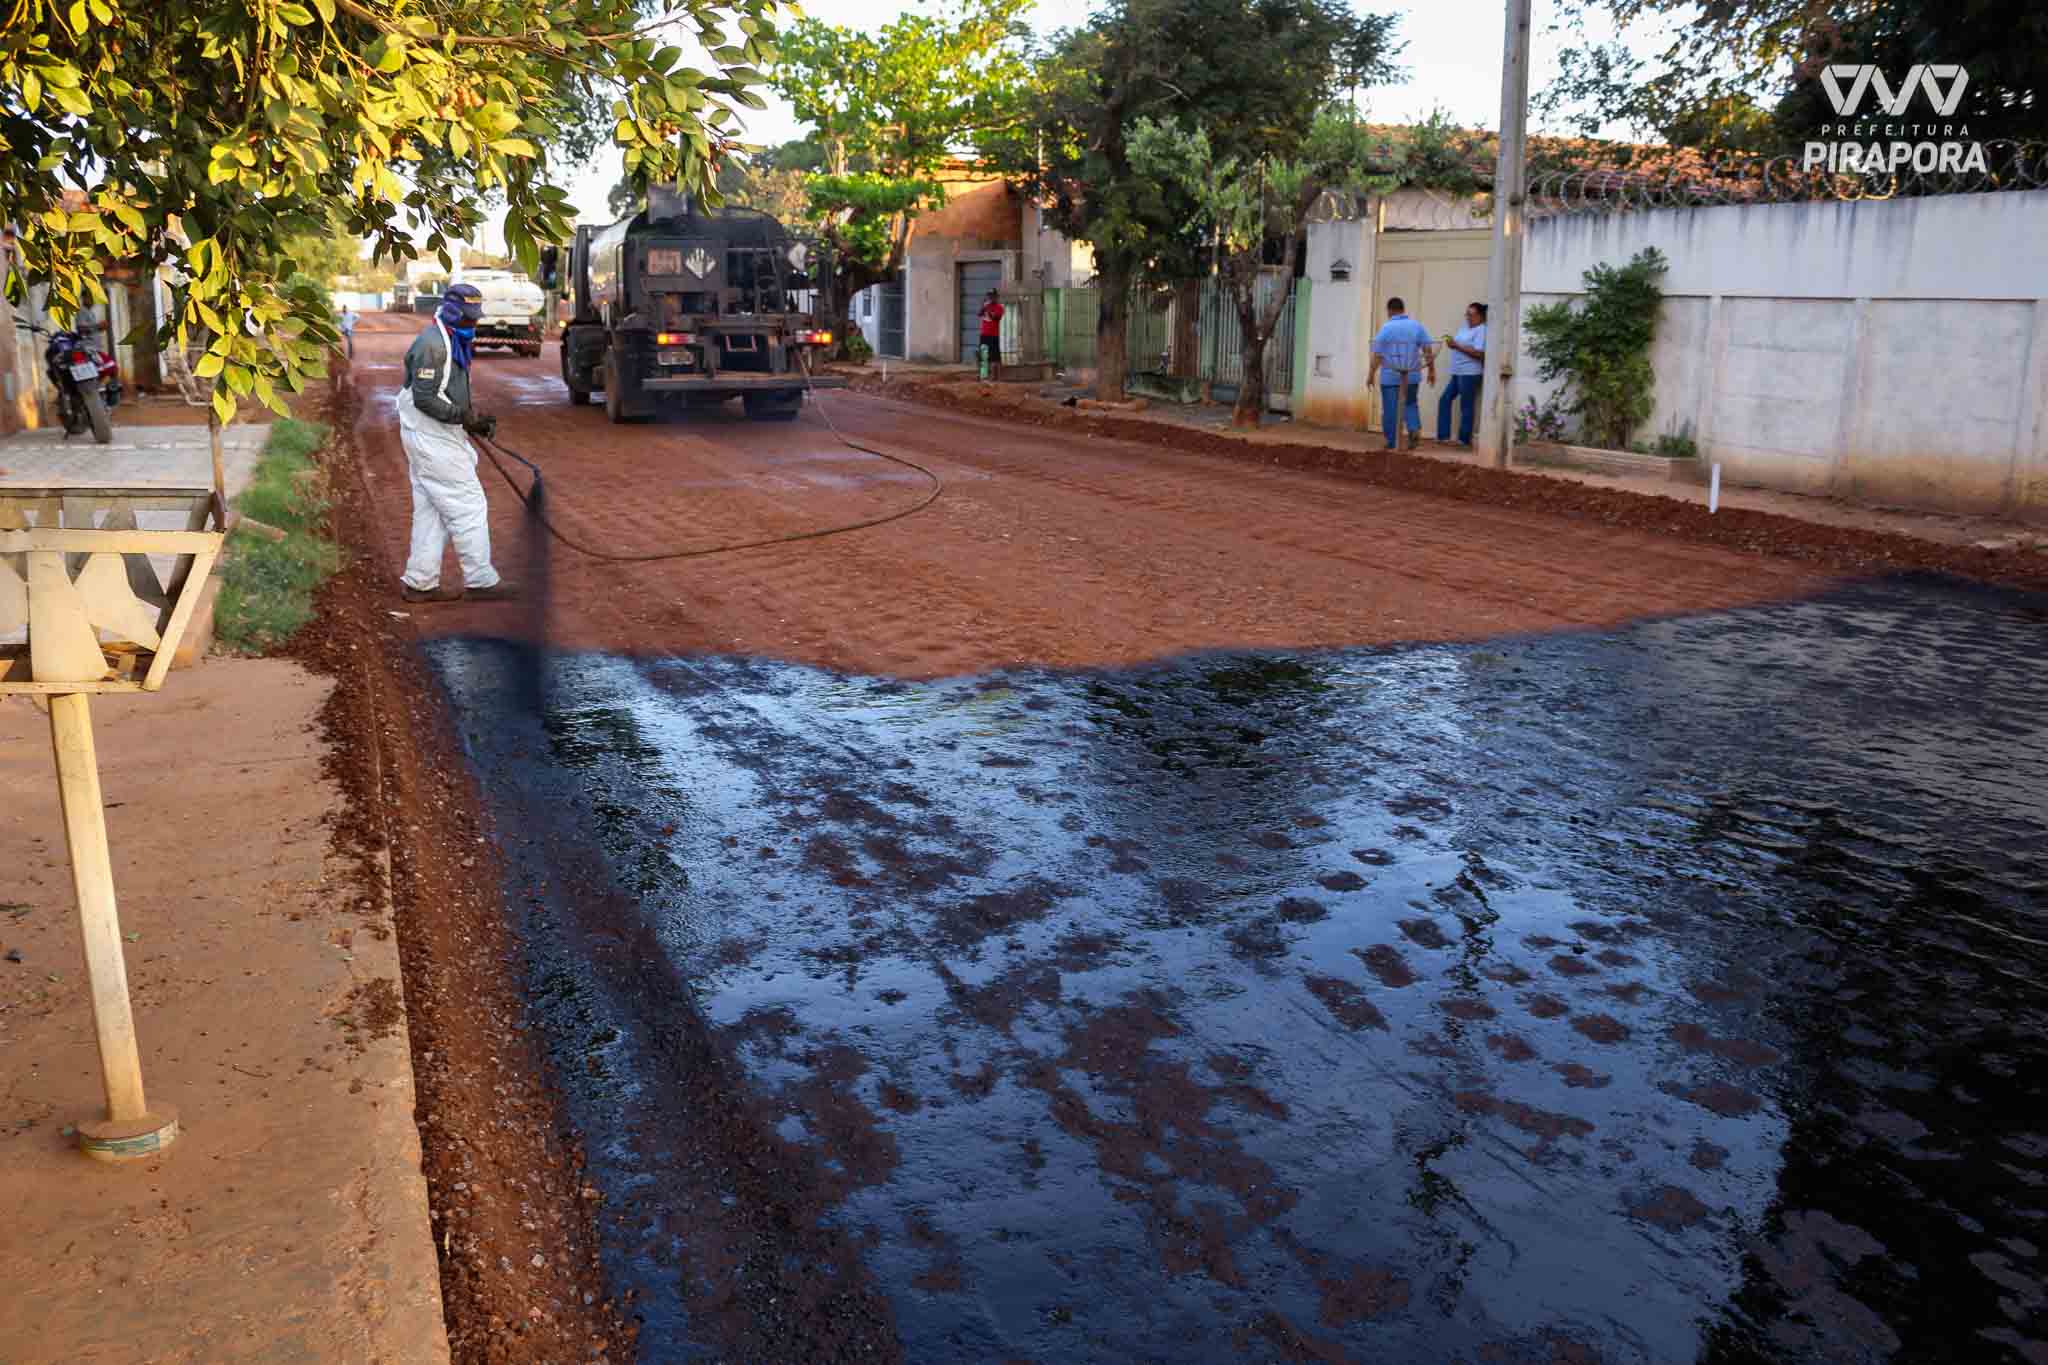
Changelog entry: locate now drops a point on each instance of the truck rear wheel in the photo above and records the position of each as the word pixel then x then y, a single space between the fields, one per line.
pixel 578 397
pixel 773 407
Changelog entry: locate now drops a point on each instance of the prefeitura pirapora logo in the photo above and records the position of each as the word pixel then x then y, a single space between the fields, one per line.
pixel 1868 142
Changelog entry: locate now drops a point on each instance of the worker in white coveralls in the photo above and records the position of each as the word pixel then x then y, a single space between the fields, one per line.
pixel 435 420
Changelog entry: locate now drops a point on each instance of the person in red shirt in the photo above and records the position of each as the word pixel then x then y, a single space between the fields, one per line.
pixel 991 332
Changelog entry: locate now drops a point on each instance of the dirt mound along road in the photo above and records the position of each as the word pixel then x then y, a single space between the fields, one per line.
pixel 514 1220
pixel 1851 548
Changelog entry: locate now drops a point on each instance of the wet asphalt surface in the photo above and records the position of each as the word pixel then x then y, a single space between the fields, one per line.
pixel 1677 993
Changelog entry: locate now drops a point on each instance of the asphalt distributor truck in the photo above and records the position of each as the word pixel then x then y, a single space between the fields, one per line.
pixel 683 306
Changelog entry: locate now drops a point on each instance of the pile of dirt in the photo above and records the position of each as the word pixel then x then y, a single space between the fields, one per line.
pixel 514 1223
pixel 1834 548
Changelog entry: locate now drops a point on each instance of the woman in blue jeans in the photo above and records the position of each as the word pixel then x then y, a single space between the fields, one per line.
pixel 1468 371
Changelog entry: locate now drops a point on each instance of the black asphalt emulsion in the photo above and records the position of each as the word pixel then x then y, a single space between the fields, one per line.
pixel 1678 993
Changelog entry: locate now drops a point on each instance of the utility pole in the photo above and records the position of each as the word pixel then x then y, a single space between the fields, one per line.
pixel 1504 268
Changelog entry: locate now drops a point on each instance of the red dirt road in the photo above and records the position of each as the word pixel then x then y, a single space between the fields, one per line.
pixel 1049 546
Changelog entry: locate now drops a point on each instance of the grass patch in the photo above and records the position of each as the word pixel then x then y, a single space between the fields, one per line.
pixel 267 586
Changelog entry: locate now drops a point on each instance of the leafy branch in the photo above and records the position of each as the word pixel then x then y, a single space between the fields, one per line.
pixel 378 120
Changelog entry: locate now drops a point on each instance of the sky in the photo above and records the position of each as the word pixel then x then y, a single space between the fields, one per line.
pixel 1452 62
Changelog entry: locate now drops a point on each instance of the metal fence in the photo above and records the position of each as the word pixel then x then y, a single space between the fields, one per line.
pixel 1148 332
pixel 1070 318
pixel 1151 333
pixel 1222 343
pixel 1023 331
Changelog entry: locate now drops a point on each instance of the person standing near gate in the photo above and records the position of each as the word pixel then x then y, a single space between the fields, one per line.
pixel 435 420
pixel 347 323
pixel 1404 351
pixel 1468 372
pixel 991 333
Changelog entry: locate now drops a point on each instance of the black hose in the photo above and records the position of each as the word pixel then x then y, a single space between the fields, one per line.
pixel 534 495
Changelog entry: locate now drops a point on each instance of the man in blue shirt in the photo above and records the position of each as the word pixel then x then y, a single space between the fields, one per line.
pixel 1401 354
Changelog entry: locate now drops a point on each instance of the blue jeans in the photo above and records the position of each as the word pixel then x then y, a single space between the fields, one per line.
pixel 1465 389
pixel 1390 398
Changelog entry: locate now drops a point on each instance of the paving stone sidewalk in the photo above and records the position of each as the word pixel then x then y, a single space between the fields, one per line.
pixel 137 457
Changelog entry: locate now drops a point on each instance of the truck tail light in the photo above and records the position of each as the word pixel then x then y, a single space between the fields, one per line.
pixel 675 338
pixel 814 338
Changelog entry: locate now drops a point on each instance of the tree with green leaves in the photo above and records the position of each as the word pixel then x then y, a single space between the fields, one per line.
pixel 1744 75
pixel 206 135
pixel 1251 74
pixel 900 99
pixel 756 179
pixel 326 256
pixel 887 108
pixel 758 183
pixel 1249 204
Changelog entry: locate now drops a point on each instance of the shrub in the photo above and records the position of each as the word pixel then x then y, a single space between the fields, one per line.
pixel 1601 347
pixel 1545 423
pixel 1677 445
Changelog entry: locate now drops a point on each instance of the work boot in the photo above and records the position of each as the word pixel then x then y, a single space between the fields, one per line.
pixel 504 590
pixel 1414 440
pixel 412 594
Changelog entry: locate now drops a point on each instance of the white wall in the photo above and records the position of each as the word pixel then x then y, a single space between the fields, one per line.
pixel 1341 321
pixel 867 315
pixel 1895 351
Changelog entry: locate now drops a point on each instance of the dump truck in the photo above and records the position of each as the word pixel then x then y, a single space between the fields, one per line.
pixel 680 306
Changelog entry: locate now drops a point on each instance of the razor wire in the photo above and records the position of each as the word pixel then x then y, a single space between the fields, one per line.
pixel 2009 165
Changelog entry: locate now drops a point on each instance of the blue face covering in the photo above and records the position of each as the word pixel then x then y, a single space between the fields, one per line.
pixel 461 324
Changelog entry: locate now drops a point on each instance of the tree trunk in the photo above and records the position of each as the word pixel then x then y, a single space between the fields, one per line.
pixel 835 312
pixel 1187 329
pixel 1112 317
pixel 1250 406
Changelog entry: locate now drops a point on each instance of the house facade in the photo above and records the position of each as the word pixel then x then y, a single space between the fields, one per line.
pixel 987 235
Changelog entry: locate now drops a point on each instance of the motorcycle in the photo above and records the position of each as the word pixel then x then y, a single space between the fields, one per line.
pixel 88 383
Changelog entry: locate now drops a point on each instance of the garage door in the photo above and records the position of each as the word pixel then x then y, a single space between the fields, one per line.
pixel 976 279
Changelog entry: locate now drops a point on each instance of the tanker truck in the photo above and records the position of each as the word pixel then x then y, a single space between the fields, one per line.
pixel 512 310
pixel 679 306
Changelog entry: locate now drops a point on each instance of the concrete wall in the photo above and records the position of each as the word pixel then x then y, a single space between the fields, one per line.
pixel 1891 351
pixel 979 222
pixel 1342 318
pixel 1050 259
